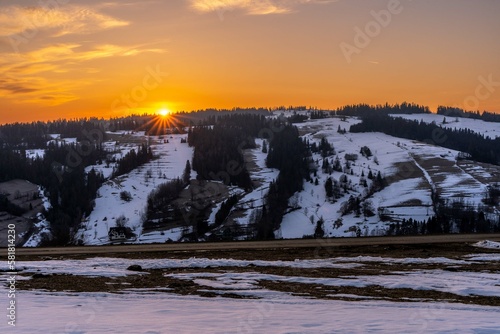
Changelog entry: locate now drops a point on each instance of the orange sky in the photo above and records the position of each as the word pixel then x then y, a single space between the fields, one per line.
pixel 65 59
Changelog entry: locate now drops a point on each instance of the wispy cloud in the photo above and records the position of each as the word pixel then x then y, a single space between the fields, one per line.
pixel 30 77
pixel 37 90
pixel 63 20
pixel 124 4
pixel 253 7
pixel 256 7
pixel 51 73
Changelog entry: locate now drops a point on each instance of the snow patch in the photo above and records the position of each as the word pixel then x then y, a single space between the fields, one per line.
pixel 487 244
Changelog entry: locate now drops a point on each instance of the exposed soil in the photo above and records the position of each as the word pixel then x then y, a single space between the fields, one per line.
pixel 431 245
pixel 160 280
pixel 487 173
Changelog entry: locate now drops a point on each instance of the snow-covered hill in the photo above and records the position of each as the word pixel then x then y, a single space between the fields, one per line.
pixel 413 171
pixel 412 168
pixel 170 163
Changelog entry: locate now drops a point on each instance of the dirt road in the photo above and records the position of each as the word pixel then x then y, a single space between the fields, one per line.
pixel 257 245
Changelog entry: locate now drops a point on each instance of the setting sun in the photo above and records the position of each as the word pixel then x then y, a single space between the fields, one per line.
pixel 164 112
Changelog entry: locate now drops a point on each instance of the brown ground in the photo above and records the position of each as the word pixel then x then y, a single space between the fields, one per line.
pixel 303 246
pixel 481 174
pixel 160 281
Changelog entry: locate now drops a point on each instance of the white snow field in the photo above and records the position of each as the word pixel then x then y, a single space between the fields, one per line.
pixel 160 311
pixel 154 314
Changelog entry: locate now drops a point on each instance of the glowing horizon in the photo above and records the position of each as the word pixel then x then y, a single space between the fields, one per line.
pixel 95 59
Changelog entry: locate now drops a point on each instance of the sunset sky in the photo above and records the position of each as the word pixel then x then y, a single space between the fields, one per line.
pixel 66 59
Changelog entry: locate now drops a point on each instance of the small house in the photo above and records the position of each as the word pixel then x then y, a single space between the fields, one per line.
pixel 117 234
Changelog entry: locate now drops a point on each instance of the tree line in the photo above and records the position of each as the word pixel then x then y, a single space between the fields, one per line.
pixel 35 135
pixel 458 112
pixel 218 148
pixel 361 110
pixel 477 146
pixel 289 154
pixel 133 159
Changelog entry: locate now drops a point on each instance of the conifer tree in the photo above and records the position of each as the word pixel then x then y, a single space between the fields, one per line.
pixel 186 176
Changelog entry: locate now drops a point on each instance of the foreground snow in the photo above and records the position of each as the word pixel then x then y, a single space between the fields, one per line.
pixel 162 313
pixel 488 244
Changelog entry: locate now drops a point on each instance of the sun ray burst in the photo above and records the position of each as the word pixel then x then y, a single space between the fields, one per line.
pixel 161 123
